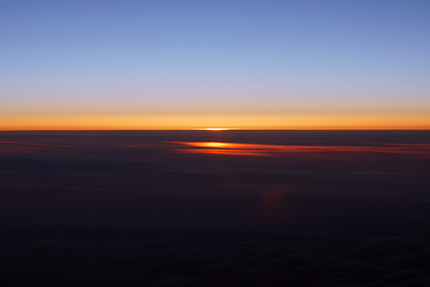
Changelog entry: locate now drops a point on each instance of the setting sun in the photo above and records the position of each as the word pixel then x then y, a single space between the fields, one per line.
pixel 215 129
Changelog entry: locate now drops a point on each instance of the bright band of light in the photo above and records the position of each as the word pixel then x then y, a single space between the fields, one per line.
pixel 216 122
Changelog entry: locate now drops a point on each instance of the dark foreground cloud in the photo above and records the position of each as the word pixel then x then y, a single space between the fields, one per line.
pixel 130 209
pixel 60 256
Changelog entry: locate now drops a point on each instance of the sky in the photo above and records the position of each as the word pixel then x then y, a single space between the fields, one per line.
pixel 335 64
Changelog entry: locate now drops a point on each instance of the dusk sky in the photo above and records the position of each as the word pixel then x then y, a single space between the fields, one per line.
pixel 199 64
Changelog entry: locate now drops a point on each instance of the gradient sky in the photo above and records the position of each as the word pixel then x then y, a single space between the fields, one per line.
pixel 194 64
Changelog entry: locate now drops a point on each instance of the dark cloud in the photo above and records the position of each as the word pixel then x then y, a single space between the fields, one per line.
pixel 127 209
pixel 165 257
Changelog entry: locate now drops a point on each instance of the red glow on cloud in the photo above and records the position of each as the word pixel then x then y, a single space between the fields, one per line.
pixel 267 150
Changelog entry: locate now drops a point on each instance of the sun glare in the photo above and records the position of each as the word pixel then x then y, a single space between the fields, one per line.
pixel 211 144
pixel 215 129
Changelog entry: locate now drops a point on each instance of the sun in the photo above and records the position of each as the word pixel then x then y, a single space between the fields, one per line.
pixel 215 129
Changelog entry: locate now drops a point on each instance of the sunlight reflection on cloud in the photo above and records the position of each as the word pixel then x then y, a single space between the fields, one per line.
pixel 267 150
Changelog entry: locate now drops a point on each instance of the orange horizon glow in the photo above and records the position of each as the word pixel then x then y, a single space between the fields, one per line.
pixel 218 122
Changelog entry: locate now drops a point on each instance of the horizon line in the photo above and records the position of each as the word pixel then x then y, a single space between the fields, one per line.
pixel 220 130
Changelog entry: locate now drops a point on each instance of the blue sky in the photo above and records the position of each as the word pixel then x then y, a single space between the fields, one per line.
pixel 143 57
